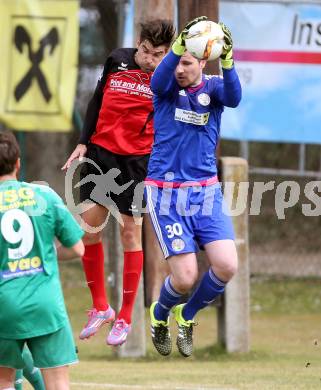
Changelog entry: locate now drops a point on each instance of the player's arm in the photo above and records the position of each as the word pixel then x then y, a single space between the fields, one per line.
pixel 89 126
pixel 92 113
pixel 64 253
pixel 163 79
pixel 91 117
pixel 227 91
pixel 94 105
pixel 79 152
pixel 67 230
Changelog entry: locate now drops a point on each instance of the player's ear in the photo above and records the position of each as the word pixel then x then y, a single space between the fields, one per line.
pixel 138 42
pixel 202 64
pixel 17 166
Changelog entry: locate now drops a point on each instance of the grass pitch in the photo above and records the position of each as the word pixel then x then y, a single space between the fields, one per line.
pixel 285 345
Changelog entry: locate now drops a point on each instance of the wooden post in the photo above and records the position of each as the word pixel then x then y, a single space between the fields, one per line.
pixel 190 9
pixel 135 345
pixel 153 9
pixel 156 268
pixel 233 314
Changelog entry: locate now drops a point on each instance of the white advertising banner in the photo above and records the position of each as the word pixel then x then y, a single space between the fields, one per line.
pixel 277 51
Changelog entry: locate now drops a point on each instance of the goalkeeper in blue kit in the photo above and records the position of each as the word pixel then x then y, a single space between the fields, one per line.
pixel 183 194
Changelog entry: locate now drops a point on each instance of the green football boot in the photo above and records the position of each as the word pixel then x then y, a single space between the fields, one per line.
pixel 184 339
pixel 160 333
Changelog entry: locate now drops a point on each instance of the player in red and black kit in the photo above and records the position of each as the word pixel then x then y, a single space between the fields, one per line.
pixel 118 133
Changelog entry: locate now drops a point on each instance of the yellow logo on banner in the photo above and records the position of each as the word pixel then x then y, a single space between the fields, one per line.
pixel 40 72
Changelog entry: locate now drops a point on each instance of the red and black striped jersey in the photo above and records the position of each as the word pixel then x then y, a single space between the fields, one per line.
pixel 119 116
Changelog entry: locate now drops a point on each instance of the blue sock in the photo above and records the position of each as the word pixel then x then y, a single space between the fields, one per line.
pixel 168 298
pixel 209 288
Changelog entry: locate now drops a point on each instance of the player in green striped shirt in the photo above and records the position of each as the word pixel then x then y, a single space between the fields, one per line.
pixel 31 300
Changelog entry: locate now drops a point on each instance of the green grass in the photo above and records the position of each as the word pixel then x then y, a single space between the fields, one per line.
pixel 285 345
pixel 286 296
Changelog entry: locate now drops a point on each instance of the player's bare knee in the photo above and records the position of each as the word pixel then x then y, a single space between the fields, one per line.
pixel 184 282
pixel 230 270
pixel 7 376
pixel 92 238
pixel 183 286
pixel 5 385
pixel 130 239
pixel 226 268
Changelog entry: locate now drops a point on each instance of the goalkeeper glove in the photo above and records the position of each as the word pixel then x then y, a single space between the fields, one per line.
pixel 178 46
pixel 227 53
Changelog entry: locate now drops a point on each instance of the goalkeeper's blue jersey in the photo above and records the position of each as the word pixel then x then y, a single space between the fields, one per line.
pixel 187 123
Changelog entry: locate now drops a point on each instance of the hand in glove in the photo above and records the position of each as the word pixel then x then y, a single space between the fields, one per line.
pixel 178 46
pixel 227 54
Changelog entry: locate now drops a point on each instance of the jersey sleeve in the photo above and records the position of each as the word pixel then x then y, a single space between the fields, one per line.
pixel 94 105
pixel 227 90
pixel 163 80
pixel 67 229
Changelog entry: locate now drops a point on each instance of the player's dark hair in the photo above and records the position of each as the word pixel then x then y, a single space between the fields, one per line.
pixel 157 32
pixel 9 152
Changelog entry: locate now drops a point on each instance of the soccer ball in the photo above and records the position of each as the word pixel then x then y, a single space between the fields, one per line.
pixel 205 40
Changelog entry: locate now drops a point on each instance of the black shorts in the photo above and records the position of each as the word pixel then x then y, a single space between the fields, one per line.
pixel 113 179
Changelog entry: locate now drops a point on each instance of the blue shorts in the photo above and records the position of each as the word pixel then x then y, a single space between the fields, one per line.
pixel 185 219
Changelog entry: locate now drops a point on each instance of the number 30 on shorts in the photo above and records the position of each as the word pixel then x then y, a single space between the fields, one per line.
pixel 174 230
